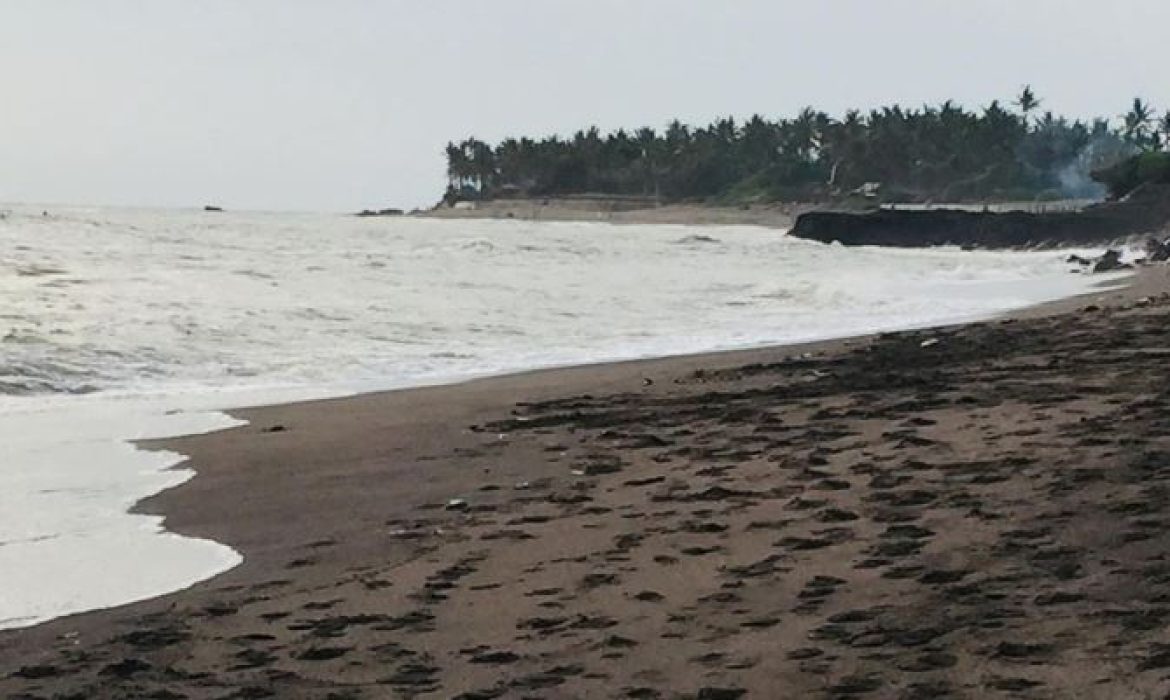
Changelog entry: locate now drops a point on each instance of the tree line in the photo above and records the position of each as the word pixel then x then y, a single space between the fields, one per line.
pixel 939 153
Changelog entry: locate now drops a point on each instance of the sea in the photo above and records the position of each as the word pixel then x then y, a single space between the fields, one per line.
pixel 118 325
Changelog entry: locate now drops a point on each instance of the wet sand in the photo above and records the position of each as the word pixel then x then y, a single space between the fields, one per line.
pixel 973 511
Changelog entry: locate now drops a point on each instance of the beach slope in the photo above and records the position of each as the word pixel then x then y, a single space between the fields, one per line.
pixel 974 511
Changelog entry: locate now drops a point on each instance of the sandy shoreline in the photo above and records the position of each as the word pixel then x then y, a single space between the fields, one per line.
pixel 973 517
pixel 779 216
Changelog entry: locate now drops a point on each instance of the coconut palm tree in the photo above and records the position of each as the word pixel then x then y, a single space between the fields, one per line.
pixel 1138 122
pixel 1164 130
pixel 1027 102
pixel 925 153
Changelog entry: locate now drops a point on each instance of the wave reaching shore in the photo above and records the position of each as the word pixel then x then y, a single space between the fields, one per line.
pixel 130 325
pixel 238 314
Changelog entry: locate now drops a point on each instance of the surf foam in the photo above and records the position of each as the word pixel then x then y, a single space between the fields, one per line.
pixel 120 325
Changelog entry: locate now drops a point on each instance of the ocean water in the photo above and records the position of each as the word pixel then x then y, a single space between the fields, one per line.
pixel 120 324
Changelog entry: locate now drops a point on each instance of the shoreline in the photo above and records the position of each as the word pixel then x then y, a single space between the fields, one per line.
pixel 337 519
pixel 732 324
pixel 618 211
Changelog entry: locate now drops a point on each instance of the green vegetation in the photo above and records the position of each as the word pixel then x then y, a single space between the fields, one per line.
pixel 893 154
pixel 1125 177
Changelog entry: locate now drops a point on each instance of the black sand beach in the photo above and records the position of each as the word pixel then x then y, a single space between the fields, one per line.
pixel 971 512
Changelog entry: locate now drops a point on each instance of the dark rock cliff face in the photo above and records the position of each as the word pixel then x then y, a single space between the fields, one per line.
pixel 1146 211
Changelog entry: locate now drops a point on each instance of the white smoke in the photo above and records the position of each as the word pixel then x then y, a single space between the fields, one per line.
pixel 1105 150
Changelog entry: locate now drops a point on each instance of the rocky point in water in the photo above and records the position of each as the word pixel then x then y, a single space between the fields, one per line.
pixel 1145 211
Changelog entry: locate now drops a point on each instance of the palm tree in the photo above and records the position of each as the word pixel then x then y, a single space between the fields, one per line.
pixel 845 144
pixel 1027 102
pixel 650 147
pixel 803 134
pixel 931 152
pixel 1164 130
pixel 456 166
pixel 1137 124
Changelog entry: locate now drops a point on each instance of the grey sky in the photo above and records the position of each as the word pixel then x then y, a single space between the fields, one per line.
pixel 343 104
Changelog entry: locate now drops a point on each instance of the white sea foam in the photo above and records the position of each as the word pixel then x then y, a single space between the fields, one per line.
pixel 121 324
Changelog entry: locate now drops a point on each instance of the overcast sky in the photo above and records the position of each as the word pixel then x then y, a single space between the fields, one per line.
pixel 344 104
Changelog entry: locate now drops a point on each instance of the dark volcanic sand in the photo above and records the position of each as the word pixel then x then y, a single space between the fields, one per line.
pixel 973 512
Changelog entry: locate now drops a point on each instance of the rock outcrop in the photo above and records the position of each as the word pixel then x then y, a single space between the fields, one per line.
pixel 1111 262
pixel 380 212
pixel 1157 250
pixel 1145 211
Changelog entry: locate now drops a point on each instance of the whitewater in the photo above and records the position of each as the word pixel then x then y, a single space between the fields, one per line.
pixel 119 325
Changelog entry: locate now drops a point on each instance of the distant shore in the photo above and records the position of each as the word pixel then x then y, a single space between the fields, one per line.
pixel 990 226
pixel 623 211
pixel 964 511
